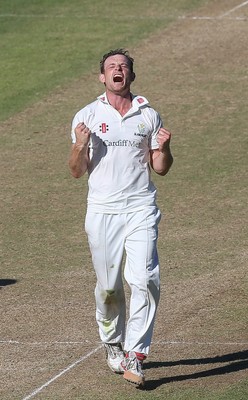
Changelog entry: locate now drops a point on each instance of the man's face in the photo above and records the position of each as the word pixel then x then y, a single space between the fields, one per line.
pixel 117 76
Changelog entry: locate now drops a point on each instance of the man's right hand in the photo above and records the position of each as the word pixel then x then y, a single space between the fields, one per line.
pixel 82 134
pixel 79 156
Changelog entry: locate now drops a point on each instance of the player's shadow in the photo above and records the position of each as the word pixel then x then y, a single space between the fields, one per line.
pixel 235 362
pixel 6 282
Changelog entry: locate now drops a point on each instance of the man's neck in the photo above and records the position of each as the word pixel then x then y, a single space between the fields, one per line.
pixel 122 103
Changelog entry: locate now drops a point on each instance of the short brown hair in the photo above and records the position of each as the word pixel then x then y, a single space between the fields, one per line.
pixel 113 53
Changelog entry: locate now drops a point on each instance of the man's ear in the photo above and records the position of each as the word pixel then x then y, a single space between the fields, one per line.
pixel 132 76
pixel 102 78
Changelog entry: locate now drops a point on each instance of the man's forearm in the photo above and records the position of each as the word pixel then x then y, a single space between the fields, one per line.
pixel 162 161
pixel 79 160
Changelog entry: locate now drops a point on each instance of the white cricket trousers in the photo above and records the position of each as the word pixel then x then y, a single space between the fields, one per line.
pixel 111 237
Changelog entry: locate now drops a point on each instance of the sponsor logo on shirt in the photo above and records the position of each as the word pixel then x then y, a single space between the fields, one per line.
pixel 141 130
pixel 121 143
pixel 103 127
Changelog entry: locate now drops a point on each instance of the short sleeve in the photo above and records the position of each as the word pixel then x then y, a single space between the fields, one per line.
pixel 75 122
pixel 156 125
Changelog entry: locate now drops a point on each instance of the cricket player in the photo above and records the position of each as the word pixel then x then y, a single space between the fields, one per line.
pixel 117 139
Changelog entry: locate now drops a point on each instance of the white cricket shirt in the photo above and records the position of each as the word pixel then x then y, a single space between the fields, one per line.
pixel 119 172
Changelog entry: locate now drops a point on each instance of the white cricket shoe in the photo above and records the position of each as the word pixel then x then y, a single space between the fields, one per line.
pixel 133 369
pixel 115 357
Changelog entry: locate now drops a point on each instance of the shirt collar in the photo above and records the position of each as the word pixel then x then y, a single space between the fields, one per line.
pixel 137 101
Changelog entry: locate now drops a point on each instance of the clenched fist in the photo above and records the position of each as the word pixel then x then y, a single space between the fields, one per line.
pixel 163 139
pixel 82 134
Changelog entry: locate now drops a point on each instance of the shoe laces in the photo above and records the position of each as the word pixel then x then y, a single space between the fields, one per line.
pixel 114 350
pixel 133 362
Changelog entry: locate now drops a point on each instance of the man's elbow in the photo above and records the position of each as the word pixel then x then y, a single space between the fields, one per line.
pixel 76 174
pixel 164 171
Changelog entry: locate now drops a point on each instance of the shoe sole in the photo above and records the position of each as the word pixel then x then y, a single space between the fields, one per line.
pixel 135 379
pixel 116 371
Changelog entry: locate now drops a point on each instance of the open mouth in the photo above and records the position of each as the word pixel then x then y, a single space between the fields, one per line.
pixel 118 78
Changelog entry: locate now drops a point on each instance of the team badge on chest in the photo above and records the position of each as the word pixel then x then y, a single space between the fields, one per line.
pixel 103 127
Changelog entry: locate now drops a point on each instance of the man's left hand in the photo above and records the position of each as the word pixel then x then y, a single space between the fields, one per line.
pixel 163 139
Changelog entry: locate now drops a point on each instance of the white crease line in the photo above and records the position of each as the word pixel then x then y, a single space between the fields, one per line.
pixel 203 343
pixel 154 343
pixel 43 16
pixel 198 18
pixel 43 343
pixel 79 16
pixel 234 9
pixel 36 391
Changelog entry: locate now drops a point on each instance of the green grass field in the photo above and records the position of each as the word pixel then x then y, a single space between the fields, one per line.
pixel 194 72
pixel 47 44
